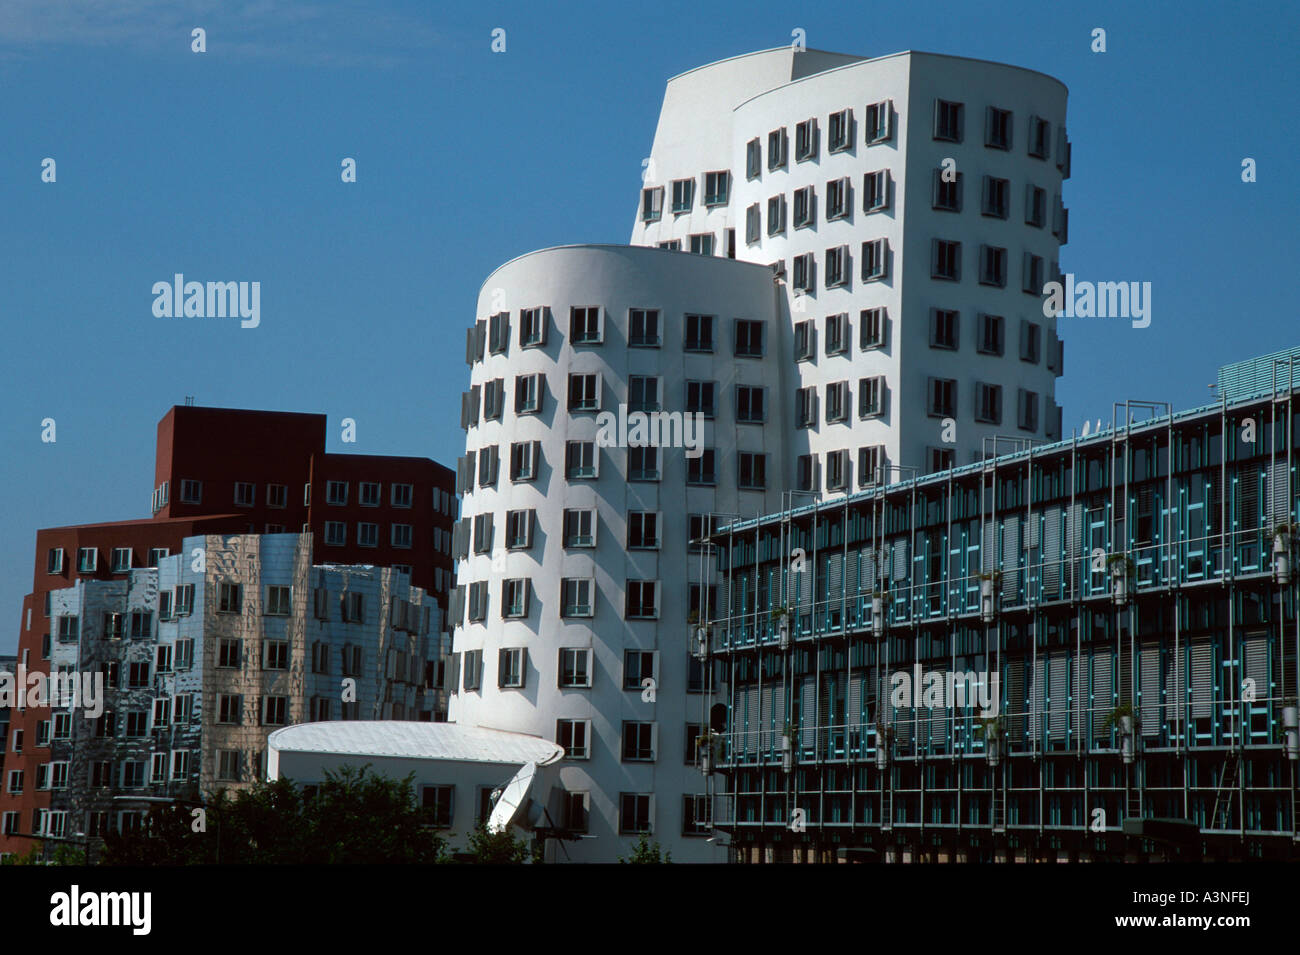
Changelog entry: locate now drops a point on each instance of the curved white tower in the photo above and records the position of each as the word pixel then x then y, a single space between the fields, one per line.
pixel 912 204
pixel 872 238
pixel 575 545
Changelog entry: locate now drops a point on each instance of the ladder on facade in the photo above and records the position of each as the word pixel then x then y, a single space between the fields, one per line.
pixel 1228 779
pixel 887 808
pixel 1133 803
pixel 1000 809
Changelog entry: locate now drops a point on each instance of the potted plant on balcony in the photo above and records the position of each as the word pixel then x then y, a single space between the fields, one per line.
pixel 1283 535
pixel 1123 719
pixel 989 581
pixel 992 728
pixel 1121 569
pixel 706 743
pixel 879 600
pixel 699 634
pixel 781 617
pixel 884 743
pixel 789 743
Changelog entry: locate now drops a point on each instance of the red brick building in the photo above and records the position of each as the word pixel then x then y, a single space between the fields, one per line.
pixel 227 471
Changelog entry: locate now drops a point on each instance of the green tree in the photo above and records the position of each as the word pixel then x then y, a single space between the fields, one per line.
pixel 646 852
pixel 356 817
pixel 496 848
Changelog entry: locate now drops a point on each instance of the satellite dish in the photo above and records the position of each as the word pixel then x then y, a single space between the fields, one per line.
pixel 513 796
pixel 1087 428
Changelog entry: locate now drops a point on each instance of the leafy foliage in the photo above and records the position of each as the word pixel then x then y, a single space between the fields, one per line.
pixel 646 852
pixel 355 817
pixel 496 848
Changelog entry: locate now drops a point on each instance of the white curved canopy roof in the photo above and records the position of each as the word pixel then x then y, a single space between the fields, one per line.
pixel 446 741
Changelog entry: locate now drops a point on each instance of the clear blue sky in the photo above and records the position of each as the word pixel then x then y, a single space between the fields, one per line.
pixel 225 166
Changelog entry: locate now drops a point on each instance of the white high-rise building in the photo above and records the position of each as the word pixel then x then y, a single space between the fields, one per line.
pixel 871 239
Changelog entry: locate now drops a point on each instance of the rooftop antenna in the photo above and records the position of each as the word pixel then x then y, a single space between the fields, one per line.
pixel 189 401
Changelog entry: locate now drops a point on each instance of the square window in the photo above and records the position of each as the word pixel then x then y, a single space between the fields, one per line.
pixel 277 495
pixel 336 533
pixel 580 460
pixel 749 338
pixel 699 333
pixel 871 397
pixel 580 527
pixel 875 191
pixel 683 195
pixel 837 266
pixel 942 393
pixel 806 407
pixel 528 394
pixel 643 463
pixel 944 326
pixel 752 471
pixel 993 266
pixel 837 400
pixel 638 741
pixel 998 128
pixel 838 198
pixel 872 326
pixel 837 470
pixel 880 121
pixel 54 561
pixel 988 403
pixel 839 131
pixel 498 333
pixel 701 470
pixel 805 140
pixel 277 601
pixel 524 457
pixel 573 736
pixel 652 204
pixel 990 339
pixel 945 260
pixel 87 560
pixel 636 813
pixel 997 194
pixel 584 326
pixel 191 492
pixel 875 260
pixel 245 494
pixel 576 597
pixel 805 273
pixel 643 328
pixel 717 188
pixel 751 404
pixel 777 144
pixel 514 600
pixel 1040 137
pixel 948 117
pixel 700 398
pixel 511 667
pixel 805 208
pixel 947 191
pixel 575 667
pixel 230 598
pixel 532 327
pixel 336 493
pixel 702 243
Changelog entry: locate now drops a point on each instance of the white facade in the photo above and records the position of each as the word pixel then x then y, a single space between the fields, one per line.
pixel 863 117
pixel 902 155
pixel 614 280
pixel 456 768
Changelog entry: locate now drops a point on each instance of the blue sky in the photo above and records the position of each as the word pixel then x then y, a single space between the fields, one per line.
pixel 225 166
